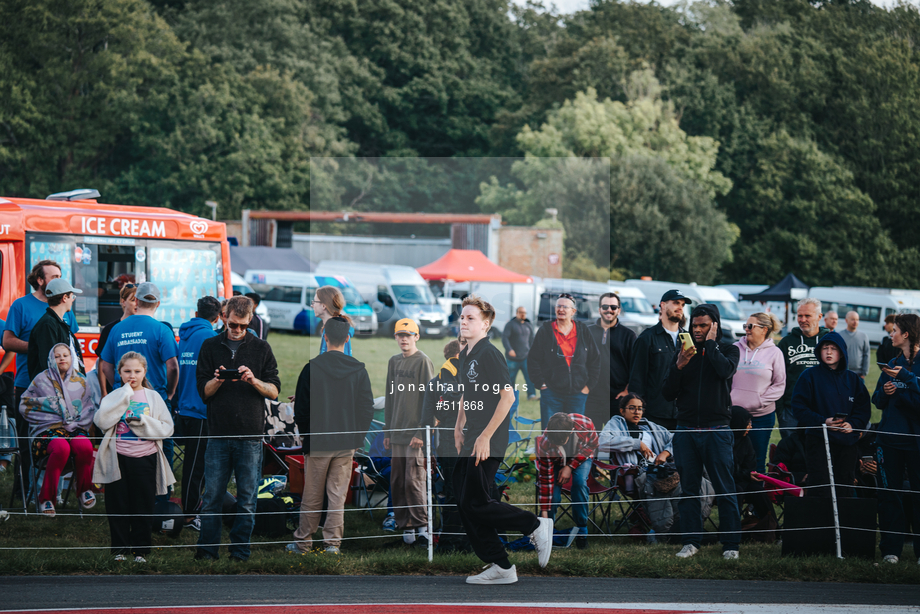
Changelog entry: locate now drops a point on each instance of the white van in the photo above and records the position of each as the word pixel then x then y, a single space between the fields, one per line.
pixel 505 297
pixel 636 311
pixel 394 292
pixel 872 305
pixel 732 317
pixel 288 295
pixel 239 285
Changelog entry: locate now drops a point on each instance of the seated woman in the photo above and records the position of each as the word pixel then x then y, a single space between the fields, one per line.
pixel 633 440
pixel 59 406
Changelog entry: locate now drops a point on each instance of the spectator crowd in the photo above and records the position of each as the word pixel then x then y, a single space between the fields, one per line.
pixel 679 418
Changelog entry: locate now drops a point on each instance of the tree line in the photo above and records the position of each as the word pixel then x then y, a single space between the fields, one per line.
pixel 746 138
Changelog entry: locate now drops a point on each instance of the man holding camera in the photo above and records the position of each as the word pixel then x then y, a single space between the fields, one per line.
pixel 236 373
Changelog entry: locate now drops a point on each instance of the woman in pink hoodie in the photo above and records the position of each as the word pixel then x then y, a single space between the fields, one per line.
pixel 760 380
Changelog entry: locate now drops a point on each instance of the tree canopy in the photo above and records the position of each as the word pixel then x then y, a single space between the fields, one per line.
pixel 741 139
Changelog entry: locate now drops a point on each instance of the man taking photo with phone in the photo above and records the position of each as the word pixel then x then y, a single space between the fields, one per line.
pixel 236 423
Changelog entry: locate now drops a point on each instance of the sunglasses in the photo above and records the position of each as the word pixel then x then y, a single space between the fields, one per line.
pixel 129 286
pixel 237 326
pixel 610 308
pixel 751 326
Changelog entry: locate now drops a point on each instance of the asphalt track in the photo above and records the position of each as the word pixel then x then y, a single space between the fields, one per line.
pixel 310 595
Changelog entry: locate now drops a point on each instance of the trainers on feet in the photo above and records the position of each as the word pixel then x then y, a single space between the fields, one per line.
pixel 890 558
pixel 194 524
pixel 494 574
pixel 140 559
pixel 332 550
pixel 87 499
pixel 120 557
pixel 389 525
pixel 730 555
pixel 292 547
pixel 687 551
pixel 542 539
pixel 47 508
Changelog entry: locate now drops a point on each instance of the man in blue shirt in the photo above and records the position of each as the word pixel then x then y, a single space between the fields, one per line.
pixel 24 314
pixel 192 413
pixel 153 339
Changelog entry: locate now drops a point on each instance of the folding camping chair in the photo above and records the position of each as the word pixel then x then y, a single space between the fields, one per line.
pixel 517 442
pixel 65 484
pixel 281 439
pixel 373 467
pixel 624 499
pixel 11 447
pixel 600 498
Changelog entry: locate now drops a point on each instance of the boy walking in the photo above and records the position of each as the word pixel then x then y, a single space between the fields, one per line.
pixel 481 438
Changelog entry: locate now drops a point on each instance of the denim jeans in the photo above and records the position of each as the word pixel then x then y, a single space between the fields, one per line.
pixel 521 365
pixel 693 450
pixel 244 458
pixel 579 492
pixel 892 511
pixel 761 439
pixel 552 402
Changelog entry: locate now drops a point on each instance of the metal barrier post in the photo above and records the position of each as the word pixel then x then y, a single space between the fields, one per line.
pixel 428 500
pixel 830 471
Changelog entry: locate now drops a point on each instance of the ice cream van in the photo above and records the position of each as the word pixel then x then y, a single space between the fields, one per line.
pixel 100 248
pixel 288 295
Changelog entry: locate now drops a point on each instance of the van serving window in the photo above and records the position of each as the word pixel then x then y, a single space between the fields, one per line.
pixel 184 271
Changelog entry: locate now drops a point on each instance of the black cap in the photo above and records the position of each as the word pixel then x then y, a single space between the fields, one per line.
pixel 675 295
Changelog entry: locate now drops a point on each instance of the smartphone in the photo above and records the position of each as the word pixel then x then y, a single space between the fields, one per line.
pixel 686 339
pixel 839 416
pixel 868 459
pixel 882 365
pixel 229 374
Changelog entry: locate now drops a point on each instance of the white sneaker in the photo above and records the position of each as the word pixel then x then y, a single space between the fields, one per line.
pixel 140 559
pixel 890 558
pixel 331 550
pixel 120 557
pixel 687 551
pixel 542 539
pixel 730 555
pixel 494 574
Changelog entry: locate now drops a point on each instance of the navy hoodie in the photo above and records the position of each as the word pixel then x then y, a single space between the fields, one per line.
pixel 900 411
pixel 822 392
pixel 191 335
pixel 702 389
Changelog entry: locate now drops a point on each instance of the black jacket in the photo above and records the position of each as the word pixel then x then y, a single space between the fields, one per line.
pixel 652 356
pixel 616 354
pixel 886 351
pixel 546 364
pixel 236 408
pixel 47 333
pixel 338 401
pixel 702 389
pixel 517 336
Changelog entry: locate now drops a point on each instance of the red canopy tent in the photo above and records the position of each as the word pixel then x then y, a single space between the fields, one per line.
pixel 469 265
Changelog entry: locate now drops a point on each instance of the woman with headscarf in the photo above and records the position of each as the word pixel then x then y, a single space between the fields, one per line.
pixel 59 406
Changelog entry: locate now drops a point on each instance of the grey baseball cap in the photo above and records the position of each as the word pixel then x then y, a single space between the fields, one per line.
pixel 148 293
pixel 59 286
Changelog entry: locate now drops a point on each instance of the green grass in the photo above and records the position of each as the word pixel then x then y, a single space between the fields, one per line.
pixel 617 557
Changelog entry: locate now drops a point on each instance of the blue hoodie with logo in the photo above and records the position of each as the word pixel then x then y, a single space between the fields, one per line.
pixel 822 392
pixel 191 335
